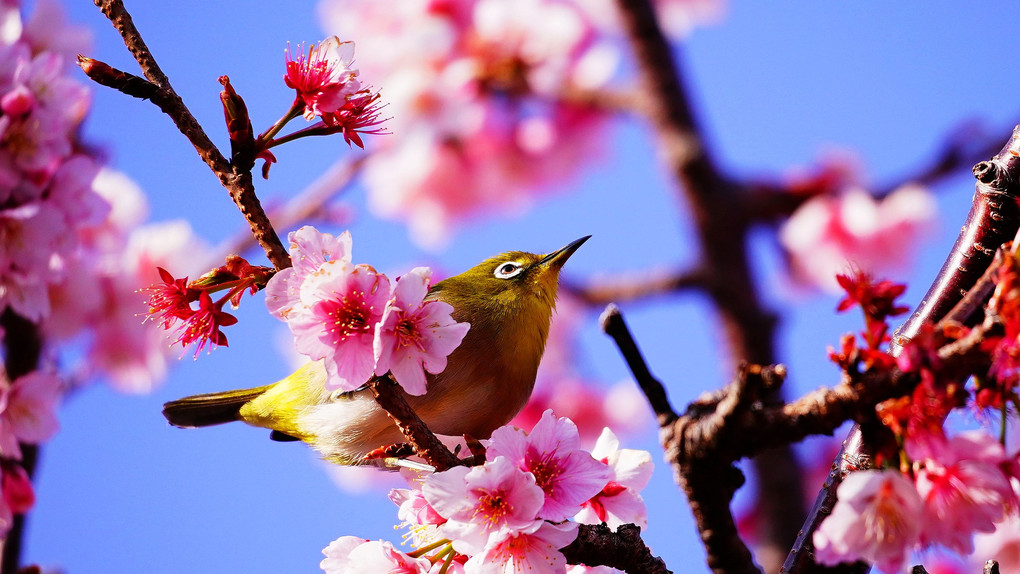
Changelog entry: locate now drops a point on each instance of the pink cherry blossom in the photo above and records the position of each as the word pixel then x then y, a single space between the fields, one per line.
pixel 309 251
pixel 353 555
pixel 417 514
pixel 619 502
pixel 28 412
pixel 483 502
pixel 551 452
pixel 964 491
pixel 876 519
pixel 582 569
pixel 1002 545
pixel 344 305
pixel 415 335
pixel 536 552
pixel 323 78
pixel 829 234
pixel 16 494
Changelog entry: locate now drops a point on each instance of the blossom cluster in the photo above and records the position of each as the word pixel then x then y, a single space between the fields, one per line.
pixel 841 224
pixel 928 488
pixel 350 317
pixel 478 92
pixel 513 513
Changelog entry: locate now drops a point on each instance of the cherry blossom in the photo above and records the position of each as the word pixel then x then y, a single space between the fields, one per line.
pixel 485 502
pixel 28 411
pixel 415 335
pixel 875 519
pixel 309 251
pixel 551 452
pixel 16 494
pixel 964 491
pixel 619 502
pixel 829 234
pixel 323 78
pixel 350 555
pixel 536 552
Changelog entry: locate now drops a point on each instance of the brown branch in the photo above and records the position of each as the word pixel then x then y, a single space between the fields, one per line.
pixel 597 545
pixel 237 181
pixel 425 443
pixel 612 324
pixel 994 219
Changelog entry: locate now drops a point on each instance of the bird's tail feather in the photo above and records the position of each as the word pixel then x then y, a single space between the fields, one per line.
pixel 209 409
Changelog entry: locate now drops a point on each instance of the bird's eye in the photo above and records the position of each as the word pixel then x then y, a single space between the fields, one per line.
pixel 507 270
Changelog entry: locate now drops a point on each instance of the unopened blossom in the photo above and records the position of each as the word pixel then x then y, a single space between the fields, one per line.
pixel 876 519
pixel 323 77
pixel 353 555
pixel 829 234
pixel 964 491
pixel 28 411
pixel 16 494
pixel 483 502
pixel 619 502
pixel 536 552
pixel 415 335
pixel 552 452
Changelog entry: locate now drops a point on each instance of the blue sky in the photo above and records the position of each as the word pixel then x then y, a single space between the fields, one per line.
pixel 776 86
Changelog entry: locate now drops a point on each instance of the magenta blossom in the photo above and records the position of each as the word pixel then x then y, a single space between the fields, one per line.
pixel 339 326
pixel 964 491
pixel 876 519
pixel 484 503
pixel 414 335
pixel 552 453
pixel 323 78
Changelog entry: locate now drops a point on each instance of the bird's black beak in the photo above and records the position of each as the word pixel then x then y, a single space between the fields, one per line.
pixel 559 257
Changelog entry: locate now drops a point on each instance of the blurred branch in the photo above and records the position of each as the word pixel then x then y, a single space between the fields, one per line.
pixel 237 181
pixel 722 233
pixel 22 345
pixel 994 219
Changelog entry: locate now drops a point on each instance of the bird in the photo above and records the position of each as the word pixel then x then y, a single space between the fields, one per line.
pixel 508 300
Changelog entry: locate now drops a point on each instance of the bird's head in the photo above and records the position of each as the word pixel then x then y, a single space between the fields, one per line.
pixel 516 280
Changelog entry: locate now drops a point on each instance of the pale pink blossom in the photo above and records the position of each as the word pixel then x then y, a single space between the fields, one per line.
pixel 415 335
pixel 48 30
pixel 28 414
pixel 417 515
pixel 536 552
pixel 830 234
pixel 964 491
pixel 483 502
pixel 1002 545
pixel 620 500
pixel 310 250
pixel 551 452
pixel 353 555
pixel 876 519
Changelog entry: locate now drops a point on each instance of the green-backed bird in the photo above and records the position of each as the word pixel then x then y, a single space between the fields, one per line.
pixel 508 300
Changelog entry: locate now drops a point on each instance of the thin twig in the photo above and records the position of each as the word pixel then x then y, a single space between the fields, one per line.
pixel 638 286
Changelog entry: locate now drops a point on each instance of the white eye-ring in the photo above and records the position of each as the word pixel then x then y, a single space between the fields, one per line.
pixel 508 270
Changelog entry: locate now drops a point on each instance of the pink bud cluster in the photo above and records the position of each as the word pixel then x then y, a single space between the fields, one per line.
pixel 513 513
pixel 351 318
